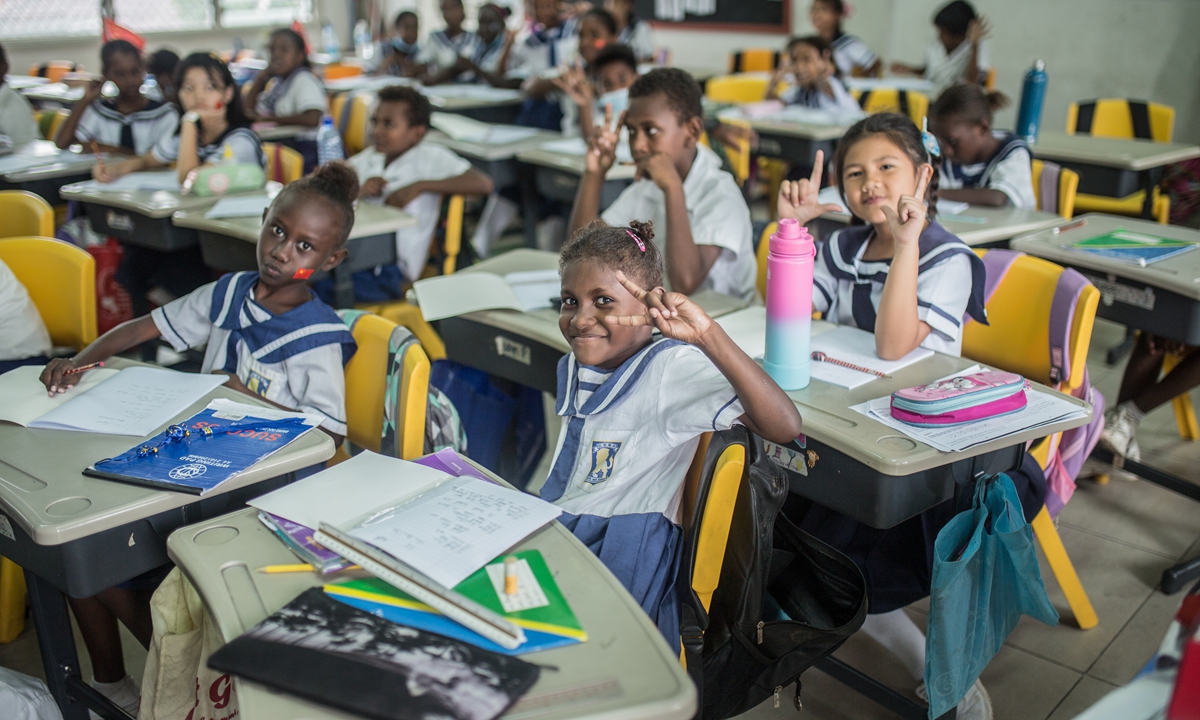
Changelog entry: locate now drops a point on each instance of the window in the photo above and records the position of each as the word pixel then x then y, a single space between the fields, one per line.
pixel 149 16
pixel 48 18
pixel 244 13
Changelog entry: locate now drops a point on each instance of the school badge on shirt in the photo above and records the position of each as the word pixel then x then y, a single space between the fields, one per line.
pixel 258 384
pixel 604 458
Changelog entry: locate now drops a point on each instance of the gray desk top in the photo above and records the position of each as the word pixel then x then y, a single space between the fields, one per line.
pixel 443 97
pixel 43 489
pixel 1001 223
pixel 150 203
pixel 624 670
pixel 54 92
pixel 58 164
pixel 20 82
pixel 489 151
pixel 281 132
pixel 1111 152
pixel 370 219
pixel 790 128
pixel 1179 274
pixel 574 164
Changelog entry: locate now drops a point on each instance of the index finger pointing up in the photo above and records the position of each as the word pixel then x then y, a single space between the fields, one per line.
pixel 818 168
pixel 924 174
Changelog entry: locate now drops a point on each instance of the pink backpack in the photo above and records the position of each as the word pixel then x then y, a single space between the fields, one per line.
pixel 1070 449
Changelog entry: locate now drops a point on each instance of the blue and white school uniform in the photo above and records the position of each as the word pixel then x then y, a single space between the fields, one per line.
pixel 849 52
pixel 295 94
pixel 628 439
pixel 136 132
pixel 837 100
pixel 242 143
pixel 295 359
pixel 487 55
pixel 442 51
pixel 538 55
pixel 944 70
pixel 639 36
pixel 1010 171
pixel 950 284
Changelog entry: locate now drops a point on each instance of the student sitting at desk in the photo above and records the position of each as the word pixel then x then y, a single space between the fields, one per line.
pixel 612 72
pixel 162 65
pixel 264 330
pixel 545 46
pixel 959 54
pixel 296 96
pixel 446 52
pixel 130 123
pixel 489 62
pixel 817 81
pixel 851 55
pixel 401 51
pixel 980 166
pixel 16 114
pixel 25 338
pixel 401 170
pixel 634 408
pixel 631 29
pixel 680 186
pixel 1143 391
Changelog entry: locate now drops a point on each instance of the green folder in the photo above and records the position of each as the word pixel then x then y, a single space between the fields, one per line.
pixel 1122 238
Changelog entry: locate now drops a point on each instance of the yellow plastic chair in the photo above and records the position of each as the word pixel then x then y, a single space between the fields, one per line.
pixel 1017 339
pixel 25 214
pixel 284 165
pixel 764 244
pixel 754 60
pixel 61 280
pixel 355 132
pixel 1068 186
pixel 49 122
pixel 739 152
pixel 1185 414
pixel 337 106
pixel 736 88
pixel 1115 118
pixel 906 102
pixel 337 71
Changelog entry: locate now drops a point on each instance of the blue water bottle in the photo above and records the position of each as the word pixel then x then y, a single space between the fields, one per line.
pixel 1033 98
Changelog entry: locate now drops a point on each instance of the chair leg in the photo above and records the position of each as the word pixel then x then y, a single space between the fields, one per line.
pixel 1064 571
pixel 12 600
pixel 1185 414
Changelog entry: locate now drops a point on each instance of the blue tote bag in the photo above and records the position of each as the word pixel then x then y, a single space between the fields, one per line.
pixel 985 576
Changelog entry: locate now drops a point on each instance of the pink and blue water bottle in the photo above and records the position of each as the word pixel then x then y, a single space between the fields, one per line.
pixel 789 305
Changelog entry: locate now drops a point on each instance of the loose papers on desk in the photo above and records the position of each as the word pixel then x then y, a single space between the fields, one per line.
pixel 856 347
pixel 1132 247
pixel 461 293
pixel 147 181
pixel 471 92
pixel 239 206
pixel 1043 408
pixel 461 127
pixel 26 399
pixel 18 161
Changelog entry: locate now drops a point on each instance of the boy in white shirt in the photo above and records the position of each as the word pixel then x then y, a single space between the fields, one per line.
pixel 23 336
pixel 959 53
pixel 16 114
pixel 680 186
pixel 402 171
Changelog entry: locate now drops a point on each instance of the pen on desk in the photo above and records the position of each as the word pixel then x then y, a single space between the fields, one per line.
pixel 82 368
pixel 298 567
pixel 822 357
pixel 1070 226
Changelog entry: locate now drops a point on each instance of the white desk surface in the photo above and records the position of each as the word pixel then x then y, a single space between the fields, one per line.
pixel 281 132
pixel 54 92
pixel 918 84
pixel 491 151
pixel 20 82
pixel 1179 274
pixel 150 203
pixel 1111 152
pixel 43 489
pixel 574 164
pixel 443 97
pixel 370 219
pixel 792 128
pixel 624 670
pixel 1002 223
pixel 58 163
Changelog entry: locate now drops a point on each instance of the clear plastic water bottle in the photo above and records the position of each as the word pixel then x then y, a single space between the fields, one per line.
pixel 789 305
pixel 329 142
pixel 1033 98
pixel 329 40
pixel 364 48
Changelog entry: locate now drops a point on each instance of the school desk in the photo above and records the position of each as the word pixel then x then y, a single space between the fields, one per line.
pixel 481 102
pixel 60 168
pixel 77 535
pixel 1113 167
pixel 1162 298
pixel 976 226
pixel 53 93
pixel 276 133
pixel 917 84
pixel 20 82
pixel 623 672
pixel 556 176
pixel 138 217
pixel 231 243
pixel 525 347
pixel 793 141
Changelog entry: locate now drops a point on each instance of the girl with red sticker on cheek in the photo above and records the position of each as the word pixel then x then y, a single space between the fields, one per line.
pixel 302 274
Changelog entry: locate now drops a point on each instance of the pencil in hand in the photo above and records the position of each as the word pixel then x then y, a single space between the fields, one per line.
pixel 83 368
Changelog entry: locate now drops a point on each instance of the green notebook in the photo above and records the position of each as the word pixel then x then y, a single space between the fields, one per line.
pixel 548 626
pixel 1122 238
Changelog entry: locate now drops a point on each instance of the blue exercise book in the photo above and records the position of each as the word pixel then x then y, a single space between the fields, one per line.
pixel 1137 255
pixel 200 461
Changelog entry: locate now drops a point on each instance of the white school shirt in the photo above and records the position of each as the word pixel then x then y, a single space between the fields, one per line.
pixel 718 216
pixel 441 51
pixel 242 142
pixel 103 123
pixel 639 36
pixel 945 70
pixel 949 275
pixel 424 161
pixel 541 50
pixel 296 94
pixel 1010 171
pixel 850 52
pixel 22 332
pixel 839 100
pixel 310 381
pixel 16 117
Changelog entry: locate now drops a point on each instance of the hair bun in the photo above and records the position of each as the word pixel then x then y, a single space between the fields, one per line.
pixel 645 230
pixel 337 180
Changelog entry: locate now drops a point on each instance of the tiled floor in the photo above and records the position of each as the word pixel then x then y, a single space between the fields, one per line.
pixel 1120 536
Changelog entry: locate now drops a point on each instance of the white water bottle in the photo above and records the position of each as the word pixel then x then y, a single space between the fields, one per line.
pixel 329 142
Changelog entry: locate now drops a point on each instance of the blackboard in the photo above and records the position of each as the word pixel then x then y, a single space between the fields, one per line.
pixel 774 16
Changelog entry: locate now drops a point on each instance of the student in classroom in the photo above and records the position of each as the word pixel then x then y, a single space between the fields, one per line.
pixel 296 96
pixel 596 33
pixel 489 62
pixel 162 64
pixel 680 186
pixel 635 406
pixel 446 53
pixel 631 29
pixel 304 230
pixel 611 73
pixel 16 114
pixel 536 58
pixel 896 273
pixel 980 166
pixel 130 123
pixel 26 340
pixel 851 55
pixel 817 81
pixel 401 170
pixel 1142 391
pixel 401 51
pixel 959 54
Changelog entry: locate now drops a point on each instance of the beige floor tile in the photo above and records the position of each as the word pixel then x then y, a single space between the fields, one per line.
pixel 24 656
pixel 1138 640
pixel 1138 513
pixel 1024 687
pixel 1084 695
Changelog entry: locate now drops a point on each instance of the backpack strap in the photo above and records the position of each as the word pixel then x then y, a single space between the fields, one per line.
pixel 1139 113
pixel 902 100
pixel 996 263
pixel 1084 118
pixel 1048 186
pixel 1062 315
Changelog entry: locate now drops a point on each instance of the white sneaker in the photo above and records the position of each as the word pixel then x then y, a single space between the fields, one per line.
pixel 123 693
pixel 975 705
pixel 1120 434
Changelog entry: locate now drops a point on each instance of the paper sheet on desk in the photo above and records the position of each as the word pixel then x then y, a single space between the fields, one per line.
pixel 460 127
pixel 577 146
pixel 164 180
pixel 239 206
pixel 26 399
pixel 462 293
pixel 472 92
pixel 856 347
pixel 20 161
pixel 535 288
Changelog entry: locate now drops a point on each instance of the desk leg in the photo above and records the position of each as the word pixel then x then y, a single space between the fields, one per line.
pixel 876 691
pixel 1116 353
pixel 527 179
pixel 343 287
pixel 1148 182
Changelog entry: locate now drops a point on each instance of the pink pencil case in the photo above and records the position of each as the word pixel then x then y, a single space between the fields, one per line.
pixel 960 399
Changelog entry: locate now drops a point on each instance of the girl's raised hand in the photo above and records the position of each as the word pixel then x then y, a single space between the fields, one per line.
pixel 674 314
pixel 574 82
pixel 907 221
pixel 602 150
pixel 798 199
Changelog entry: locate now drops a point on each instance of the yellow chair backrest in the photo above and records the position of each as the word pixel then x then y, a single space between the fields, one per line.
pixel 754 60
pixel 337 71
pixel 452 243
pixel 905 102
pixel 764 244
pixel 736 88
pixel 366 387
pixel 25 214
pixel 337 106
pixel 1121 118
pixel 711 524
pixel 739 153
pixel 1017 338
pixel 1068 186
pixel 49 122
pixel 355 132
pixel 284 165
pixel 61 280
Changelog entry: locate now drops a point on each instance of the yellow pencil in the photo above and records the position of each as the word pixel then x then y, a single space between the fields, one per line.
pixel 300 567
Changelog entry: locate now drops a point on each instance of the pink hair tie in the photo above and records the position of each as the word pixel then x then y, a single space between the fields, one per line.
pixel 636 239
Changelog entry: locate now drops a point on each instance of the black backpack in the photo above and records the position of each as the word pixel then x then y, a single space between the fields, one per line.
pixel 742 650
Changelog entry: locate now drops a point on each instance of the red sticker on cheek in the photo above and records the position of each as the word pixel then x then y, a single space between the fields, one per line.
pixel 220 104
pixel 302 274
